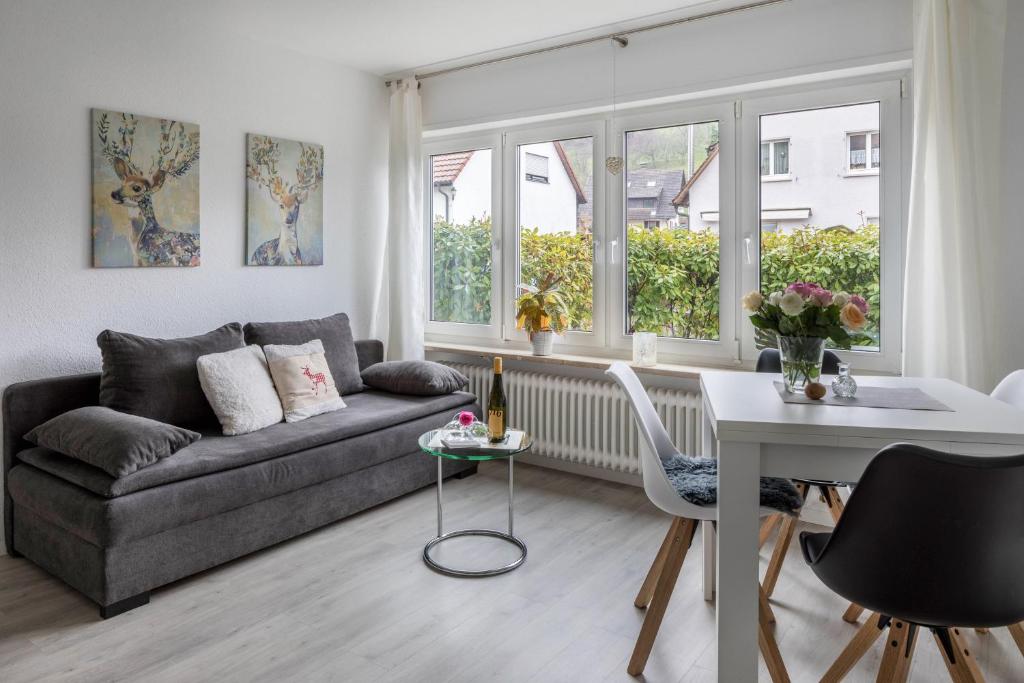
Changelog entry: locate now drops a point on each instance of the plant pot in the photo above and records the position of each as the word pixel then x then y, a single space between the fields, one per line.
pixel 801 361
pixel 542 342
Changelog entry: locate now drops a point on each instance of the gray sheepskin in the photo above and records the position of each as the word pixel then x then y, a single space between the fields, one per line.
pixel 696 480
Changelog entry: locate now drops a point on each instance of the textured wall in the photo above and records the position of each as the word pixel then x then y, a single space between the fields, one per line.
pixel 61 59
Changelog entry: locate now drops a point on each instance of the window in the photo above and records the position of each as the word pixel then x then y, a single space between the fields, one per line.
pixel 775 158
pixel 460 237
pixel 536 167
pixel 696 217
pixel 672 271
pixel 554 222
pixel 863 152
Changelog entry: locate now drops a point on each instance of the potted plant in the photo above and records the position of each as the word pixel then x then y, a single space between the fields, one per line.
pixel 542 312
pixel 803 317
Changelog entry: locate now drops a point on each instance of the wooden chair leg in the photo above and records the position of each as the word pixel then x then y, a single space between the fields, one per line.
pixel 899 648
pixel 765 605
pixel 767 527
pixel 1017 631
pixel 959 661
pixel 833 501
pixel 852 613
pixel 643 598
pixel 662 593
pixel 861 643
pixel 981 631
pixel 771 575
pixel 768 645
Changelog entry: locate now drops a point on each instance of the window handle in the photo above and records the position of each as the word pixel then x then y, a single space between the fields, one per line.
pixel 746 249
pixel 613 253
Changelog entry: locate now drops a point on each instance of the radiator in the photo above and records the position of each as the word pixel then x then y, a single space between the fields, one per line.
pixel 586 421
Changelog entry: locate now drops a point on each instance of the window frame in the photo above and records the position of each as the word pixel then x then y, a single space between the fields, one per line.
pixel 891 205
pixel 456 331
pixel 772 176
pixel 725 349
pixel 869 169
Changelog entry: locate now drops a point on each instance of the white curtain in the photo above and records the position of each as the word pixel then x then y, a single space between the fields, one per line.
pixel 400 300
pixel 951 288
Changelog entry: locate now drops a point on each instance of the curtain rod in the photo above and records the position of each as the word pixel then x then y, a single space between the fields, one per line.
pixel 618 37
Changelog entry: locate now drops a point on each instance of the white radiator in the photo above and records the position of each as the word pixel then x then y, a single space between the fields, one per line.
pixel 586 421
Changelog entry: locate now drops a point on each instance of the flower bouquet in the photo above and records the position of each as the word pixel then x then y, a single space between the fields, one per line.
pixel 803 317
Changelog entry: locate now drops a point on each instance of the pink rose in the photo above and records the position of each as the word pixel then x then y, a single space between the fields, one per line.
pixel 804 289
pixel 466 418
pixel 860 303
pixel 820 297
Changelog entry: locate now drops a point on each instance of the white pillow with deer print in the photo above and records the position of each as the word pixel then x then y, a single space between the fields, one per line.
pixel 303 380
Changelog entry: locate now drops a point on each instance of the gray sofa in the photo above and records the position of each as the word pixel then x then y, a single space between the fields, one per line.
pixel 220 498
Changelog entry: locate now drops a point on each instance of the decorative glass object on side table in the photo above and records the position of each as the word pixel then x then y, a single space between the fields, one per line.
pixel 844 386
pixel 451 443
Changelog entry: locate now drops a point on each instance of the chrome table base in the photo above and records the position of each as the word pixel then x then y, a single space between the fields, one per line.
pixel 441 536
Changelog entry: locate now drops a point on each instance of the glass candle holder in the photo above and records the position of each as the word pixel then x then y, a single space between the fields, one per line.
pixel 645 348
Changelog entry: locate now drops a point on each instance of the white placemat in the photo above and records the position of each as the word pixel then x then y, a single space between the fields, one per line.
pixel 905 398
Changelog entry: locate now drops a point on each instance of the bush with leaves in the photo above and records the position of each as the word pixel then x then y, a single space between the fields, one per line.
pixel 462 272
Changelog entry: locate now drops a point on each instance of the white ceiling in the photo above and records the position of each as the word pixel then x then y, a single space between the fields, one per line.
pixel 385 37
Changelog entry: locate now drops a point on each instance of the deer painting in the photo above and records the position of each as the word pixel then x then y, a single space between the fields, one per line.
pixel 173 154
pixel 275 202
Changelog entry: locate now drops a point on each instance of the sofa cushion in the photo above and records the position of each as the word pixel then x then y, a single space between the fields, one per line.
pixel 239 388
pixel 416 377
pixel 303 379
pixel 336 335
pixel 157 378
pixel 369 411
pixel 108 522
pixel 117 443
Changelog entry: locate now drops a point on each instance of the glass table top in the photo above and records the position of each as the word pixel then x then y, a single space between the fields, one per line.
pixel 473 454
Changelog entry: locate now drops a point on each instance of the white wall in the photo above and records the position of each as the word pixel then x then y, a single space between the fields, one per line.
pixel 1010 321
pixel 473 189
pixel 58 60
pixel 704 197
pixel 551 206
pixel 796 37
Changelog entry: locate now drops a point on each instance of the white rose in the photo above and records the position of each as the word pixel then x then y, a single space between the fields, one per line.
pixel 840 299
pixel 775 298
pixel 791 303
pixel 752 301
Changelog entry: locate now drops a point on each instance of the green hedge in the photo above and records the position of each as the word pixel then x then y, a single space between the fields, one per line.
pixel 672 283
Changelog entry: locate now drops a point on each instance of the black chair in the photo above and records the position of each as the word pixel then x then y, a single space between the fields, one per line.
pixel 928 539
pixel 769 360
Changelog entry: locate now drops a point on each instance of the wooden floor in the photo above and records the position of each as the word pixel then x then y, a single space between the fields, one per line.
pixel 354 602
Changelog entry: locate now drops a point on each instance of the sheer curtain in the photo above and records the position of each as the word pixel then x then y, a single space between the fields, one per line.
pixel 951 328
pixel 400 306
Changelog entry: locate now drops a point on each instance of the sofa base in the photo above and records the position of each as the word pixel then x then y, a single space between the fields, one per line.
pixel 107 611
pixel 120 577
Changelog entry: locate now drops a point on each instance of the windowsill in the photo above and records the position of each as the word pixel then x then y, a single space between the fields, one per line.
pixel 855 174
pixel 776 178
pixel 596 362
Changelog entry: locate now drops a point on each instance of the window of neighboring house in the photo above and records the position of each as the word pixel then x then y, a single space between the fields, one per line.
pixel 863 152
pixel 651 225
pixel 774 158
pixel 535 166
pixel 460 237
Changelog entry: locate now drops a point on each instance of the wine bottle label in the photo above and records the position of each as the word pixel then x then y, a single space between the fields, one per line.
pixel 496 423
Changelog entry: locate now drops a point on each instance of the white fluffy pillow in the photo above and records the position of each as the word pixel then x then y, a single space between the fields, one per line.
pixel 239 388
pixel 303 380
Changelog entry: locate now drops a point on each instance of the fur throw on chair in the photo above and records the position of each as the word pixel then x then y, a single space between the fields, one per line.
pixel 696 480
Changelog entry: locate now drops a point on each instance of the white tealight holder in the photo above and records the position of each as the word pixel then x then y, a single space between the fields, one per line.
pixel 645 348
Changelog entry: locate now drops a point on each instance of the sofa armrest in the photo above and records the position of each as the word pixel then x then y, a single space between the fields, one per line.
pixel 370 352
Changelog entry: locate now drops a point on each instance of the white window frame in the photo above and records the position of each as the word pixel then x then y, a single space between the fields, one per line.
pixel 772 176
pixel 453 331
pixel 870 169
pixel 726 349
pixel 572 341
pixel 887 94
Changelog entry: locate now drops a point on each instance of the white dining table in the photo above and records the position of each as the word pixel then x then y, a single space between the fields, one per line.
pixel 754 433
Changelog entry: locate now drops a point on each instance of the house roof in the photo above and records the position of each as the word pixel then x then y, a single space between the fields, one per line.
pixel 683 198
pixel 447 167
pixel 651 184
pixel 581 198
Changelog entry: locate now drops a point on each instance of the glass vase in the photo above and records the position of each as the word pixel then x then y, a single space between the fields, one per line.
pixel 801 361
pixel 844 385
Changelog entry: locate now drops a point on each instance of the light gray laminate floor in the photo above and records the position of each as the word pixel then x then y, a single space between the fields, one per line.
pixel 354 602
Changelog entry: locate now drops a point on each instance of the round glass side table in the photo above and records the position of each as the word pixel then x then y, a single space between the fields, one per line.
pixel 440 453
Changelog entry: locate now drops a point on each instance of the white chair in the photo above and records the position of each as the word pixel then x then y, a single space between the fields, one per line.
pixel 655 447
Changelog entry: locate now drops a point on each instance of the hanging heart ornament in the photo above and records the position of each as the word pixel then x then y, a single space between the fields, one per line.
pixel 614 165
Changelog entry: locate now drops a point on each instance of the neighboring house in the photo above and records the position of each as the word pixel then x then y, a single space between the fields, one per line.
pixel 461 186
pixel 818 167
pixel 649 198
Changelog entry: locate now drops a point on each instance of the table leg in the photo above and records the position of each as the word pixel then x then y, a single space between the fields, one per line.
pixel 439 515
pixel 510 498
pixel 707 528
pixel 739 471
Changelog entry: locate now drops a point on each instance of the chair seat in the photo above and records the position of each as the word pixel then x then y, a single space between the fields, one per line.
pixel 823 482
pixel 812 544
pixel 696 482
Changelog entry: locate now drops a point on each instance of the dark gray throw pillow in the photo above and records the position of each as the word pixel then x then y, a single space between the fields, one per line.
pixel 334 332
pixel 117 443
pixel 157 378
pixel 414 377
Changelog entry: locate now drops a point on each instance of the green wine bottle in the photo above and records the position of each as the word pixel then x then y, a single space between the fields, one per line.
pixel 497 407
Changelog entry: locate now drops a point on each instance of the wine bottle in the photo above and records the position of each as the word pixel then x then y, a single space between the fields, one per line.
pixel 497 407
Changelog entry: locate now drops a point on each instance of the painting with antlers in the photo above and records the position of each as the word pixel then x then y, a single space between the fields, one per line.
pixel 145 191
pixel 284 182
